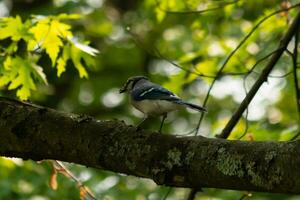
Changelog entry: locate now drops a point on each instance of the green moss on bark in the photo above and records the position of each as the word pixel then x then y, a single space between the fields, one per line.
pixel 174 158
pixel 229 164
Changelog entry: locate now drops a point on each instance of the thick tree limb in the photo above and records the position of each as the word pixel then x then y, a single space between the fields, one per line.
pixel 32 132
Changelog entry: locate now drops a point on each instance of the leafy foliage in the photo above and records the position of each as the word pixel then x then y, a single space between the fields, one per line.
pixel 20 70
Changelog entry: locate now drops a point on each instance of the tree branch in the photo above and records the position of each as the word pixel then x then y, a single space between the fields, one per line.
pixel 32 132
pixel 262 78
pixel 296 82
pixel 237 115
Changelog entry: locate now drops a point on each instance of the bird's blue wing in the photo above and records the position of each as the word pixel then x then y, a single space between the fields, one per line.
pixel 154 92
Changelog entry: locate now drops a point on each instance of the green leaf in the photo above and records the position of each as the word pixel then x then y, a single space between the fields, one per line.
pixel 61 66
pixel 12 48
pixel 4 80
pixel 160 14
pixel 13 27
pixel 7 63
pixel 83 47
pixel 62 60
pixel 19 74
pixel 76 59
pixel 77 56
pixel 48 35
pixel 39 74
pixel 68 16
pixel 23 93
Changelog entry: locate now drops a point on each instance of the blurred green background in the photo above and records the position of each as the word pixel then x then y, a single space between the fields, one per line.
pixel 144 38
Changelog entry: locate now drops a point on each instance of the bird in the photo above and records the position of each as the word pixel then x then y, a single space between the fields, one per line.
pixel 154 100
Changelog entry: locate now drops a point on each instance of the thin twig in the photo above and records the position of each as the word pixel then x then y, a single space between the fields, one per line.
pixel 158 53
pixel 167 194
pixel 295 136
pixel 280 76
pixel 262 59
pixel 72 176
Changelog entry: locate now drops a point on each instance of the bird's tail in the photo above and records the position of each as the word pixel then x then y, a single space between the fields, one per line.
pixel 191 105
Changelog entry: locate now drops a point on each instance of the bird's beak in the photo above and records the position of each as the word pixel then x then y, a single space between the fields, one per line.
pixel 122 90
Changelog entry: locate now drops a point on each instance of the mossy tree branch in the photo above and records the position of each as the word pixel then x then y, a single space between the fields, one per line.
pixel 32 132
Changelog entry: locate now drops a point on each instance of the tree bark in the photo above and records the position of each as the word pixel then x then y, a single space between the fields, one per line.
pixel 32 132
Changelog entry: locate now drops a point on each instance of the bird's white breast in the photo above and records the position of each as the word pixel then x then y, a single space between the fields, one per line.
pixel 155 107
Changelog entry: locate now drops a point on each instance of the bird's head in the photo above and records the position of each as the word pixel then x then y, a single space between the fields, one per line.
pixel 130 83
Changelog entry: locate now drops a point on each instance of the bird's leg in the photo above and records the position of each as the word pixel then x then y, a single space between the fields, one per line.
pixel 162 122
pixel 139 126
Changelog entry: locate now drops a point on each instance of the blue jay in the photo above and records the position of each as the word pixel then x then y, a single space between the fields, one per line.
pixel 152 99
